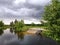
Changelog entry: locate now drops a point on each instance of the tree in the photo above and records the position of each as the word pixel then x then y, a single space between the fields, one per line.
pixel 22 23
pixel 15 21
pixel 11 24
pixel 52 16
pixel 19 25
pixel 1 24
pixel 32 24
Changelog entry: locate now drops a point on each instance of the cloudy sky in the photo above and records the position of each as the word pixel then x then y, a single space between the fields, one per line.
pixel 28 10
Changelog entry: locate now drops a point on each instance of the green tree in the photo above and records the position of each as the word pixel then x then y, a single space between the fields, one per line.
pixel 1 24
pixel 15 21
pixel 22 23
pixel 32 24
pixel 52 16
pixel 19 25
pixel 11 24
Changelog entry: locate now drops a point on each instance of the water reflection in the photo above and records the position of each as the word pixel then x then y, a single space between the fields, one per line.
pixel 1 32
pixel 11 30
pixel 20 35
pixel 10 37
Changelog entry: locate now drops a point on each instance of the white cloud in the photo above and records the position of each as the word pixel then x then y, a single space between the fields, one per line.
pixel 33 2
pixel 1 10
pixel 19 1
pixel 10 11
pixel 21 11
pixel 32 20
pixel 6 10
pixel 25 11
pixel 38 2
pixel 7 21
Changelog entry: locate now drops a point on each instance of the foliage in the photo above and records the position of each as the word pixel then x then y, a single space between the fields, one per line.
pixel 32 24
pixel 20 26
pixel 11 24
pixel 15 21
pixel 52 16
pixel 1 25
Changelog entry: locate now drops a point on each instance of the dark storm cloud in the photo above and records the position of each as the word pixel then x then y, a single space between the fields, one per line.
pixel 21 9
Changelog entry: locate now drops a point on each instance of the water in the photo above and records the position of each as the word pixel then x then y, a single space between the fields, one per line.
pixel 8 37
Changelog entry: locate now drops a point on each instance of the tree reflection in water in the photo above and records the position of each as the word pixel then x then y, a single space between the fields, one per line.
pixel 20 35
pixel 1 32
pixel 11 30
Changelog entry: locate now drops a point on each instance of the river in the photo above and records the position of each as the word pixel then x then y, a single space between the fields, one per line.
pixel 8 37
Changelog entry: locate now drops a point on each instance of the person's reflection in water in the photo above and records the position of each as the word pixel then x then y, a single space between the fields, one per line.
pixel 20 35
pixel 1 32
